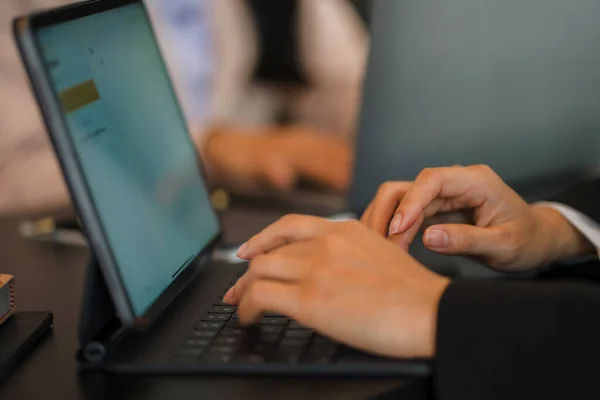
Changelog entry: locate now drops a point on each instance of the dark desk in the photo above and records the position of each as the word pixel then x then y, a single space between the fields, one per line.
pixel 51 277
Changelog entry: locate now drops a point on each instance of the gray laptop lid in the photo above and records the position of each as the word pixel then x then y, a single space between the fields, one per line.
pixel 511 83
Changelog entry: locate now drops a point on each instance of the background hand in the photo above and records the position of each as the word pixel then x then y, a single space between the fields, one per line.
pixel 506 232
pixel 343 280
pixel 277 158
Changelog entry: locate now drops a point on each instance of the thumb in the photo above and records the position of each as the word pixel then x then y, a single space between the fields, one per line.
pixel 459 239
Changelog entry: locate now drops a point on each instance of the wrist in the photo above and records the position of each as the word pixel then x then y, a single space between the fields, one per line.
pixel 560 239
pixel 428 348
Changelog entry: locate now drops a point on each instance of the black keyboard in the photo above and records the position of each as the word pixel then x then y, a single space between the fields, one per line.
pixel 218 338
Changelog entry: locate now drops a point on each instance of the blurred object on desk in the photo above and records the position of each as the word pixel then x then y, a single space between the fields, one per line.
pixel 54 231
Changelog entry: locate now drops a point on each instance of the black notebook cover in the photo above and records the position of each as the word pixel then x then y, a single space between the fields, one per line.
pixel 19 336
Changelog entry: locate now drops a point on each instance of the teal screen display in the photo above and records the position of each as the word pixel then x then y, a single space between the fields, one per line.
pixel 133 146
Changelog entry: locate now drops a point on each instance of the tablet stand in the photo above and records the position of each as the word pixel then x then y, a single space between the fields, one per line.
pixel 98 324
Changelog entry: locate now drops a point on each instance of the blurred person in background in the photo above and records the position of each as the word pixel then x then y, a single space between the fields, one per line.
pixel 30 180
pixel 269 89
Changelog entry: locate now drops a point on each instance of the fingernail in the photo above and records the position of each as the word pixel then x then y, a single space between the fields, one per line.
pixel 229 296
pixel 436 238
pixel 242 250
pixel 395 225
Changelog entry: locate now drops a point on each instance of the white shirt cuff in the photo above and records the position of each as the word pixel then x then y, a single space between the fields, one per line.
pixel 589 228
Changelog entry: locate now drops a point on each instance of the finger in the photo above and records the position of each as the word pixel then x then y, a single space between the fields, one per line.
pixel 364 219
pixel 269 296
pixel 469 183
pixel 283 265
pixel 432 209
pixel 385 203
pixel 289 229
pixel 405 239
pixel 458 239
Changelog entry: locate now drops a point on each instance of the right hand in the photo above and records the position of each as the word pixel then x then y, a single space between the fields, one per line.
pixel 344 281
pixel 506 232
pixel 277 158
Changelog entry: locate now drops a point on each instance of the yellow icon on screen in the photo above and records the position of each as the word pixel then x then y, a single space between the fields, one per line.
pixel 79 96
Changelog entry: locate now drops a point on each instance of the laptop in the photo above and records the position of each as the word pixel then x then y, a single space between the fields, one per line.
pixel 153 295
pixel 512 84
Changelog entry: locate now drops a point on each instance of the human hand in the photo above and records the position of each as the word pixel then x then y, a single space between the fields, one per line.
pixel 343 280
pixel 277 158
pixel 506 233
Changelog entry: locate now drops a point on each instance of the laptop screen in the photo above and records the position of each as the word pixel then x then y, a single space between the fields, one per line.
pixel 133 146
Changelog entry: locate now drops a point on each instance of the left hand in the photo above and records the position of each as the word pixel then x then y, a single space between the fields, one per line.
pixel 343 280
pixel 506 233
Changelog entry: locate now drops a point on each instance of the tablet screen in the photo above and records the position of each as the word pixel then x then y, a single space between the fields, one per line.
pixel 130 138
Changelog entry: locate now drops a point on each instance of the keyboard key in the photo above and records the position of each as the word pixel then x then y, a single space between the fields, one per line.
pixel 290 350
pixel 209 334
pixel 258 348
pixel 296 325
pixel 323 341
pixel 251 346
pixel 228 331
pixel 234 323
pixel 289 354
pixel 269 338
pixel 191 352
pixel 287 342
pixel 222 349
pixel 216 317
pixel 197 342
pixel 222 310
pixel 271 328
pixel 214 358
pixel 229 340
pixel 274 321
pixel 298 334
pixel 219 302
pixel 210 325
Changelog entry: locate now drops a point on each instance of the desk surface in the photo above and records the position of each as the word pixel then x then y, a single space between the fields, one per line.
pixel 51 277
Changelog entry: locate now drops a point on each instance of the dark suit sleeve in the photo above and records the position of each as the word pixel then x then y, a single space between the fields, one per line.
pixel 518 340
pixel 584 197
